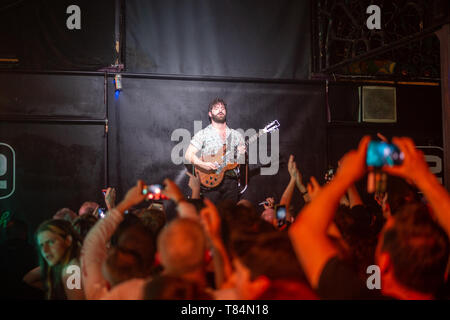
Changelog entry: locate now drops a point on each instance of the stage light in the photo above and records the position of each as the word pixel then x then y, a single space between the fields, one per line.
pixel 118 85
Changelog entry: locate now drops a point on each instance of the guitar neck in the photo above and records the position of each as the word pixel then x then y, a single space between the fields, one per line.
pixel 254 137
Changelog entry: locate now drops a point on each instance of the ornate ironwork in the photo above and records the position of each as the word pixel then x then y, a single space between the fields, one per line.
pixel 340 34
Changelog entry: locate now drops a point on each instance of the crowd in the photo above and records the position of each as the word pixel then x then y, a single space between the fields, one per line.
pixel 334 247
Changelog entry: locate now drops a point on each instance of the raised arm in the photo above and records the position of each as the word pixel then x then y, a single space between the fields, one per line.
pixel 210 220
pixel 94 252
pixel 415 168
pixel 287 194
pixel 301 187
pixel 110 198
pixel 309 232
pixel 184 208
pixel 194 184
pixel 354 197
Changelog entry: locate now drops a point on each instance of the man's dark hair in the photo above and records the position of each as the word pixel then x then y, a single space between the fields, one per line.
pixel 356 229
pixel 239 219
pixel 166 287
pixel 400 193
pixel 154 219
pixel 213 103
pixel 135 241
pixel 418 249
pixel 269 254
pixel 83 224
pixel 216 101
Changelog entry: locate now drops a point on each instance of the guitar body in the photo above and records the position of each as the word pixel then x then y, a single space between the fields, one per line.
pixel 212 178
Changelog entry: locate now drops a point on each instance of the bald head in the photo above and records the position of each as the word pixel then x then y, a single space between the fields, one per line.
pixel 181 246
pixel 87 207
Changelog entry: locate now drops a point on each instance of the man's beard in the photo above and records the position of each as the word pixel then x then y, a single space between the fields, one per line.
pixel 219 119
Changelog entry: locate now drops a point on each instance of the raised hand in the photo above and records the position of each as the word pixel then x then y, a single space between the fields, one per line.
pixel 110 198
pixel 133 197
pixel 414 166
pixel 172 191
pixel 313 187
pixel 210 220
pixel 194 182
pixel 292 167
pixel 353 164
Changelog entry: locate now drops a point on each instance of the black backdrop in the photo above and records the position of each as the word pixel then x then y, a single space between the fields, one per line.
pixel 50 122
pixel 149 110
pixel 55 124
pixel 35 32
pixel 245 38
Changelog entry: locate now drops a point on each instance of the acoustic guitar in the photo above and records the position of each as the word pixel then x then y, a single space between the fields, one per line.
pixel 212 178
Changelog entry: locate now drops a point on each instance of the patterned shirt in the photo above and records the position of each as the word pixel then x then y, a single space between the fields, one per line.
pixel 209 142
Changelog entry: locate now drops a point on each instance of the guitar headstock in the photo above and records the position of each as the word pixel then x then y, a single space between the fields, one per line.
pixel 274 125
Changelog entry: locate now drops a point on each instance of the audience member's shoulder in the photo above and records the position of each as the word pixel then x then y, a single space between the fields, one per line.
pixel 339 281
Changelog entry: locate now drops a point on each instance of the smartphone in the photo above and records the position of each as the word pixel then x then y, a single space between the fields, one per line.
pixel 329 175
pixel 381 153
pixel 153 192
pixel 280 212
pixel 101 212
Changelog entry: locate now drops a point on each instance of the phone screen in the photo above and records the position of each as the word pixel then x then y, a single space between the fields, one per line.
pixel 101 212
pixel 381 153
pixel 281 212
pixel 153 192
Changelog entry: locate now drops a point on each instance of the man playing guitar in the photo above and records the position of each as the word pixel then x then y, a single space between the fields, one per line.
pixel 227 144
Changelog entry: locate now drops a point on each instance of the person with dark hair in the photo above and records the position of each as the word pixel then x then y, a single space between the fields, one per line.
pixel 398 193
pixel 266 268
pixel 120 271
pixel 154 217
pixel 217 138
pixel 409 243
pixel 83 224
pixel 413 252
pixel 358 236
pixel 167 287
pixel 59 248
